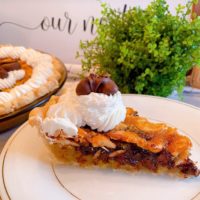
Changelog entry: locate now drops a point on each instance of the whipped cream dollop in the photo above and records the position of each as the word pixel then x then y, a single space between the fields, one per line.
pixel 5 97
pixel 97 110
pixel 64 115
pixel 42 69
pixel 102 112
pixel 13 77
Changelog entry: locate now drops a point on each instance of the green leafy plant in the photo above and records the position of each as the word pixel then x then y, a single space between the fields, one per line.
pixel 145 51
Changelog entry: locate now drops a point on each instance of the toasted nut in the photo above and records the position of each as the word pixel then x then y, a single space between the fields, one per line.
pixel 57 133
pixel 116 153
pixel 97 154
pixel 72 143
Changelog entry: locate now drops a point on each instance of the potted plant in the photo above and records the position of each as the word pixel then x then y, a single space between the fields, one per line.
pixel 145 51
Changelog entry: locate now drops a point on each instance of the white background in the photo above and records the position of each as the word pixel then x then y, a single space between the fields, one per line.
pixel 30 13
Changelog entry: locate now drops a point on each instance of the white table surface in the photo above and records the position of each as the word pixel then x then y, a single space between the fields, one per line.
pixel 190 97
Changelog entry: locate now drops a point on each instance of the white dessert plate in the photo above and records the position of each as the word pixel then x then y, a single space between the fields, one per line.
pixel 29 173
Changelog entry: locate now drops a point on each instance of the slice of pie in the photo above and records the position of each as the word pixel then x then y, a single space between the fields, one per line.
pixel 92 127
pixel 26 75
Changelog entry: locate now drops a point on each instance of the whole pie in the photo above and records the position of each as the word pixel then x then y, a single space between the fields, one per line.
pixel 90 126
pixel 25 75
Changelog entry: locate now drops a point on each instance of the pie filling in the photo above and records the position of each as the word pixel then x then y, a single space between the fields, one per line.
pixel 125 156
pixel 9 64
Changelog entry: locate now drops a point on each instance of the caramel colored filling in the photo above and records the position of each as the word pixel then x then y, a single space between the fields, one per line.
pixel 23 65
pixel 126 157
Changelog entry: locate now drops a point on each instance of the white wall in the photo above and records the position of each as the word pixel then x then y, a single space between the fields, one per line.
pixel 21 23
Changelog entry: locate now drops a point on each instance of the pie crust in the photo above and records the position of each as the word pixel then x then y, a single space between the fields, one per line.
pixel 134 144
